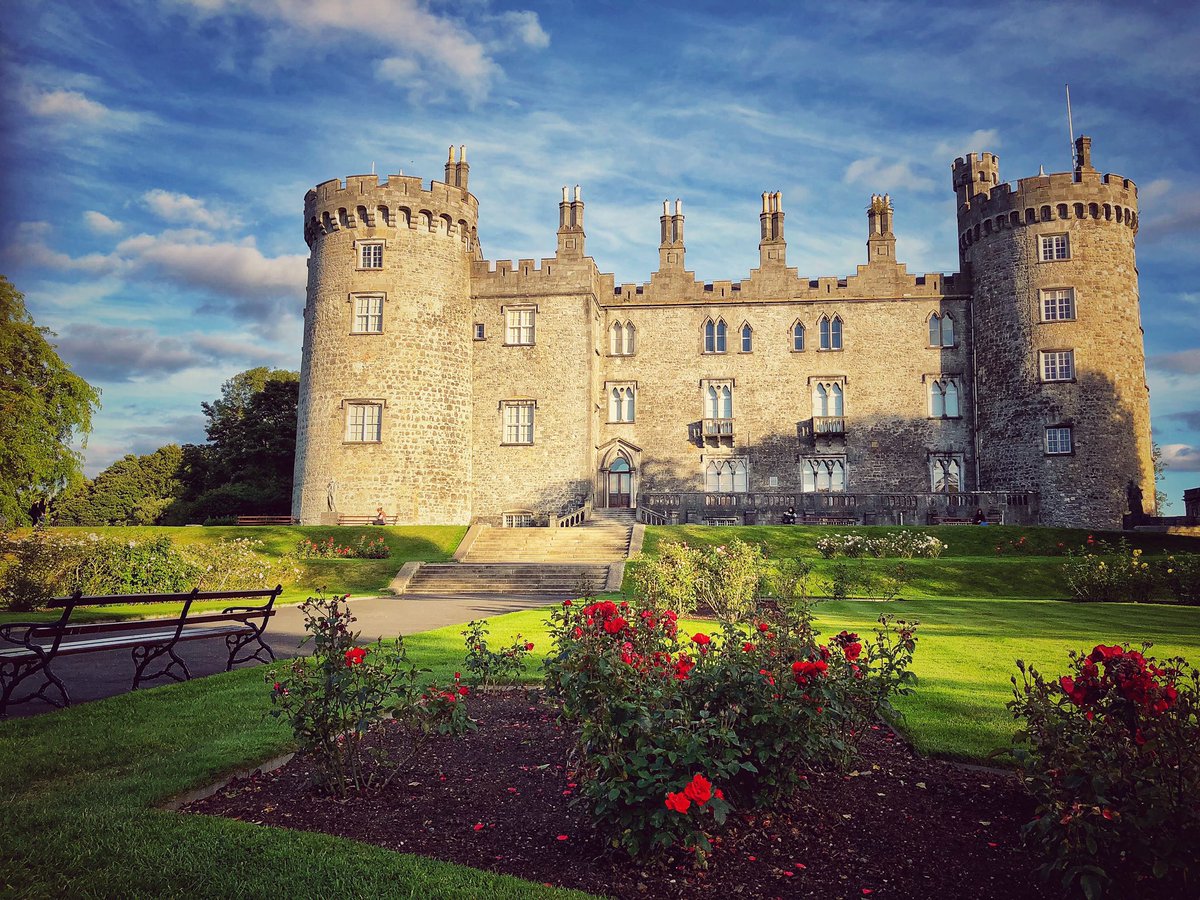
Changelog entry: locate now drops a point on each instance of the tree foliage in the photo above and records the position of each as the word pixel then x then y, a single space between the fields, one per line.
pixel 43 406
pixel 135 490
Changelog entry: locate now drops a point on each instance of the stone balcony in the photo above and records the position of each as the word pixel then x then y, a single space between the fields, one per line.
pixel 809 430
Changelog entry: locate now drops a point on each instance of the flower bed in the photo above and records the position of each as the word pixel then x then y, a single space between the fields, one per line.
pixel 904 544
pixel 365 548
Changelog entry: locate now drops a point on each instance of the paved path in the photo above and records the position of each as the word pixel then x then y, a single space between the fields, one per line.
pixel 93 676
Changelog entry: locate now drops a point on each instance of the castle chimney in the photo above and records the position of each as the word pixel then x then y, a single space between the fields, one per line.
pixel 881 242
pixel 772 248
pixel 570 225
pixel 670 248
pixel 451 167
pixel 461 169
pixel 1083 154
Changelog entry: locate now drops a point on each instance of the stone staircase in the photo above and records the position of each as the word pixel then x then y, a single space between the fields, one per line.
pixel 555 561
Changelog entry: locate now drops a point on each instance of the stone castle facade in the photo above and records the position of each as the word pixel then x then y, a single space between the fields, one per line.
pixel 447 388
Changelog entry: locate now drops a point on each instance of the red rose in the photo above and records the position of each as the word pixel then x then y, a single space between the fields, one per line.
pixel 699 790
pixel 615 624
pixel 464 690
pixel 577 633
pixel 678 802
pixel 853 651
pixel 701 639
pixel 803 670
pixel 278 686
pixel 763 626
pixel 355 655
pixel 567 603
pixel 748 647
pixel 529 645
pixel 682 666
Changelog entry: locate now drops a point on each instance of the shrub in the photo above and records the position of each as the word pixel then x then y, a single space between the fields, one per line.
pixel 787 579
pixel 234 564
pixel 220 520
pixel 31 568
pixel 1181 575
pixel 727 580
pixel 366 548
pixel 1101 573
pixel 669 580
pixel 1111 754
pixel 492 667
pixel 905 544
pixel 748 711
pixel 333 699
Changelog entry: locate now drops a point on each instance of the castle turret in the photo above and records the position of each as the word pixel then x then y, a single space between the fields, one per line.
pixel 1062 402
pixel 881 241
pixel 570 226
pixel 670 248
pixel 385 385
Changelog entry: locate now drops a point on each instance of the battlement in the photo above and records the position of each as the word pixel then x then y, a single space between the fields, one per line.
pixel 553 275
pixel 1043 198
pixel 400 201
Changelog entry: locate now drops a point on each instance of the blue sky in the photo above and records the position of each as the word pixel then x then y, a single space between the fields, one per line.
pixel 155 155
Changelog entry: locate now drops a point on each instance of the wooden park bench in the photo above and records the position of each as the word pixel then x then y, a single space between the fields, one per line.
pixel 955 521
pixel 29 649
pixel 832 520
pixel 266 520
pixel 364 520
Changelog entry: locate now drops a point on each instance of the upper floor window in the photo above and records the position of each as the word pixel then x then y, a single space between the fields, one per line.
pixel 518 325
pixel 480 331
pixel 364 423
pixel 944 396
pixel 718 400
pixel 518 421
pixel 621 399
pixel 827 398
pixel 831 332
pixel 747 338
pixel 731 475
pixel 621 339
pixel 1058 440
pixel 368 314
pixel 798 337
pixel 1058 365
pixel 1055 246
pixel 941 331
pixel 1058 305
pixel 370 255
pixel 823 474
pixel 714 336
pixel 945 473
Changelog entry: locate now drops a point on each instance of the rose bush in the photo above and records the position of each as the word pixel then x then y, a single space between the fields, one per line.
pixel 1111 754
pixel 749 708
pixel 334 698
pixel 493 667
pixel 1101 573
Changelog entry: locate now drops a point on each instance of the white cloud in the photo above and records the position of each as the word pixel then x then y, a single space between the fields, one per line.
pixel 63 105
pixel 976 142
pixel 31 247
pixel 99 223
pixel 1181 362
pixel 874 173
pixel 421 49
pixel 1181 458
pixel 184 209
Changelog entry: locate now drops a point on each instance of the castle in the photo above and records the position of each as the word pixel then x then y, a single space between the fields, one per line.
pixel 448 389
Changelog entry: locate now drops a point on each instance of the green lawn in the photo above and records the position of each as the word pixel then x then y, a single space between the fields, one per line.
pixel 429 543
pixel 81 786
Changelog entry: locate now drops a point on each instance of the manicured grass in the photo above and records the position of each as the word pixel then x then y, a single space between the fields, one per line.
pixel 965 655
pixel 429 543
pixel 80 788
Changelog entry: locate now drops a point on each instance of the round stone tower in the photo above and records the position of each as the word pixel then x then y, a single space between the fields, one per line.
pixel 385 383
pixel 1062 402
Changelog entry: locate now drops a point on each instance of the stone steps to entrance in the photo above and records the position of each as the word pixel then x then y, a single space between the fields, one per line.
pixel 507 578
pixel 601 542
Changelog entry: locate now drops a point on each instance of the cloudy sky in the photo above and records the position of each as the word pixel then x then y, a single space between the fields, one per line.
pixel 155 153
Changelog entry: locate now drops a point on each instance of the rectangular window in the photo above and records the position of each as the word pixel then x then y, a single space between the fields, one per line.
pixel 1058 365
pixel 519 326
pixel 1055 246
pixel 1058 440
pixel 480 332
pixel 370 255
pixel 1058 305
pixel 518 520
pixel 368 315
pixel 518 421
pixel 363 422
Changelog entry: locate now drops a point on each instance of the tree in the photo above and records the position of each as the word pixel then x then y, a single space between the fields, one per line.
pixel 135 490
pixel 43 406
pixel 1161 500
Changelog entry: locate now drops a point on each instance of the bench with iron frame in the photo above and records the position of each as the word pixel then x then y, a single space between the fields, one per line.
pixel 28 649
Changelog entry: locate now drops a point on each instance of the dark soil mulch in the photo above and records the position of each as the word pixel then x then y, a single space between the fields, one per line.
pixel 899 826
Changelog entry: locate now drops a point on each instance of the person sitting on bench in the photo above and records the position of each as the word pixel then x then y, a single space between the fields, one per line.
pixel 979 518
pixel 380 517
pixel 789 517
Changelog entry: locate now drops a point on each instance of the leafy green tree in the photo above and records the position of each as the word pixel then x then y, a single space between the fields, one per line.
pixel 43 406
pixel 135 490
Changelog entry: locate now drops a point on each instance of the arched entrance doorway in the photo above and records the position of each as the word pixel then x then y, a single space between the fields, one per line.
pixel 620 484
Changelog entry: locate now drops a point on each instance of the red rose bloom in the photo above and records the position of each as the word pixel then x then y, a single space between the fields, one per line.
pixel 678 803
pixel 763 626
pixel 355 655
pixel 529 645
pixel 748 647
pixel 853 651
pixel 701 639
pixel 615 624
pixel 699 790
pixel 567 603
pixel 803 670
